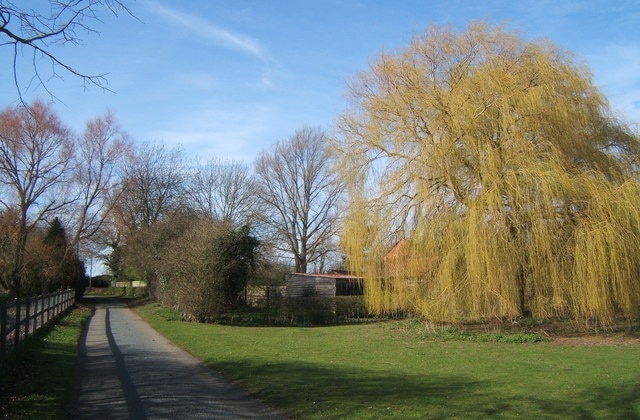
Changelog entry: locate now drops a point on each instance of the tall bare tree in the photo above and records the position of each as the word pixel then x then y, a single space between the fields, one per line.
pixel 37 31
pixel 299 193
pixel 154 185
pixel 223 190
pixel 36 151
pixel 101 153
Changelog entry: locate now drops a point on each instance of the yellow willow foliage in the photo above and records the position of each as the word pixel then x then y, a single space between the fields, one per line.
pixel 497 163
pixel 607 250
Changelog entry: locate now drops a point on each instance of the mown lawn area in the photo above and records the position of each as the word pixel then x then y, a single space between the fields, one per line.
pixel 387 370
pixel 39 379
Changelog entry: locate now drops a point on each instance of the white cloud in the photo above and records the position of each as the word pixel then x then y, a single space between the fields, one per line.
pixel 205 144
pixel 237 134
pixel 209 31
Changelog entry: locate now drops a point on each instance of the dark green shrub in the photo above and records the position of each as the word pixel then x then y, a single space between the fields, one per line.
pixel 313 310
pixel 351 307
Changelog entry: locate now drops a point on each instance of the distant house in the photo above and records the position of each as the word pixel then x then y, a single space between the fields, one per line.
pixel 394 260
pixel 395 251
pixel 322 285
pixel 400 262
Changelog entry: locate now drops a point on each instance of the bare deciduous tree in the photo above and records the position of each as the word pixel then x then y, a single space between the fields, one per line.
pixel 35 165
pixel 60 22
pixel 299 192
pixel 223 190
pixel 98 172
pixel 153 186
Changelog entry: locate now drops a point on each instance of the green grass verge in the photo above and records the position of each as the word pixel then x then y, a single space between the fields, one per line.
pixel 384 370
pixel 419 330
pixel 38 381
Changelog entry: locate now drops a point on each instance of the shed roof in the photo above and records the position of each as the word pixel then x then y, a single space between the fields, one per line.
pixel 329 275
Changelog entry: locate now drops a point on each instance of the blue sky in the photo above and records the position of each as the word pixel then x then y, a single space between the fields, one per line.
pixel 229 78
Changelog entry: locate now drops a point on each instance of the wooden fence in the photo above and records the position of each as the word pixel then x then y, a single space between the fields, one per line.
pixel 20 318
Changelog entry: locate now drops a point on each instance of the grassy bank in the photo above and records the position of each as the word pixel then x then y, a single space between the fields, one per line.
pixel 38 383
pixel 385 370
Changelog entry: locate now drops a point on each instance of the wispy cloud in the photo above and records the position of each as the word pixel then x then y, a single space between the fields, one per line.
pixel 209 31
pixel 214 130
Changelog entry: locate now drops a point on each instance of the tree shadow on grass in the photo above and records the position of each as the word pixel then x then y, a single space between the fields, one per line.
pixel 307 390
pixel 38 380
pixel 310 390
pixel 621 401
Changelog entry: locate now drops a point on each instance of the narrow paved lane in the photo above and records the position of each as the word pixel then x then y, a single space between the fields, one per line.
pixel 129 371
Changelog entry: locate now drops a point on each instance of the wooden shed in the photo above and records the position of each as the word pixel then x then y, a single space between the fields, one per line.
pixel 322 285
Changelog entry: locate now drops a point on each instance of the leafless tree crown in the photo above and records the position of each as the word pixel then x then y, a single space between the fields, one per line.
pixel 299 192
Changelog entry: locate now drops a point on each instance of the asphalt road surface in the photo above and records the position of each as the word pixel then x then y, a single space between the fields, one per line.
pixel 127 370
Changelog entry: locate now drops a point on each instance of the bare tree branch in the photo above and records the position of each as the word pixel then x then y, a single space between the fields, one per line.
pixel 224 190
pixel 39 31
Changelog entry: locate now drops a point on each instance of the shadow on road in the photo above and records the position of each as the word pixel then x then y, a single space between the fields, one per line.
pixel 128 370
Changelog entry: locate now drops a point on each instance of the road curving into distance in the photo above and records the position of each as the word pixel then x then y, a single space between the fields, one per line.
pixel 126 370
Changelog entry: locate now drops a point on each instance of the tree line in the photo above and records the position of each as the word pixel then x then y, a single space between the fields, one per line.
pixel 148 206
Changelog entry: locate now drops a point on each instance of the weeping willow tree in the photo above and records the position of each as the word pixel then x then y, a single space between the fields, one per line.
pixel 499 164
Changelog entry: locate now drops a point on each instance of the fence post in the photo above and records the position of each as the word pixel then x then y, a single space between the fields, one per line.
pixel 41 313
pixel 48 307
pixel 16 337
pixel 34 316
pixel 37 312
pixel 3 329
pixel 27 316
pixel 42 309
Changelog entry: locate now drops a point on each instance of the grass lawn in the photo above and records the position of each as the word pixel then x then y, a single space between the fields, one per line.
pixel 388 370
pixel 39 380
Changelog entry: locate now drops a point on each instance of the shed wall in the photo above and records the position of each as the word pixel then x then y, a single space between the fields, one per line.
pixel 302 285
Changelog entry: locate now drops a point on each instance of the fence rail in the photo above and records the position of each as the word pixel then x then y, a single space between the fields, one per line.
pixel 20 318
